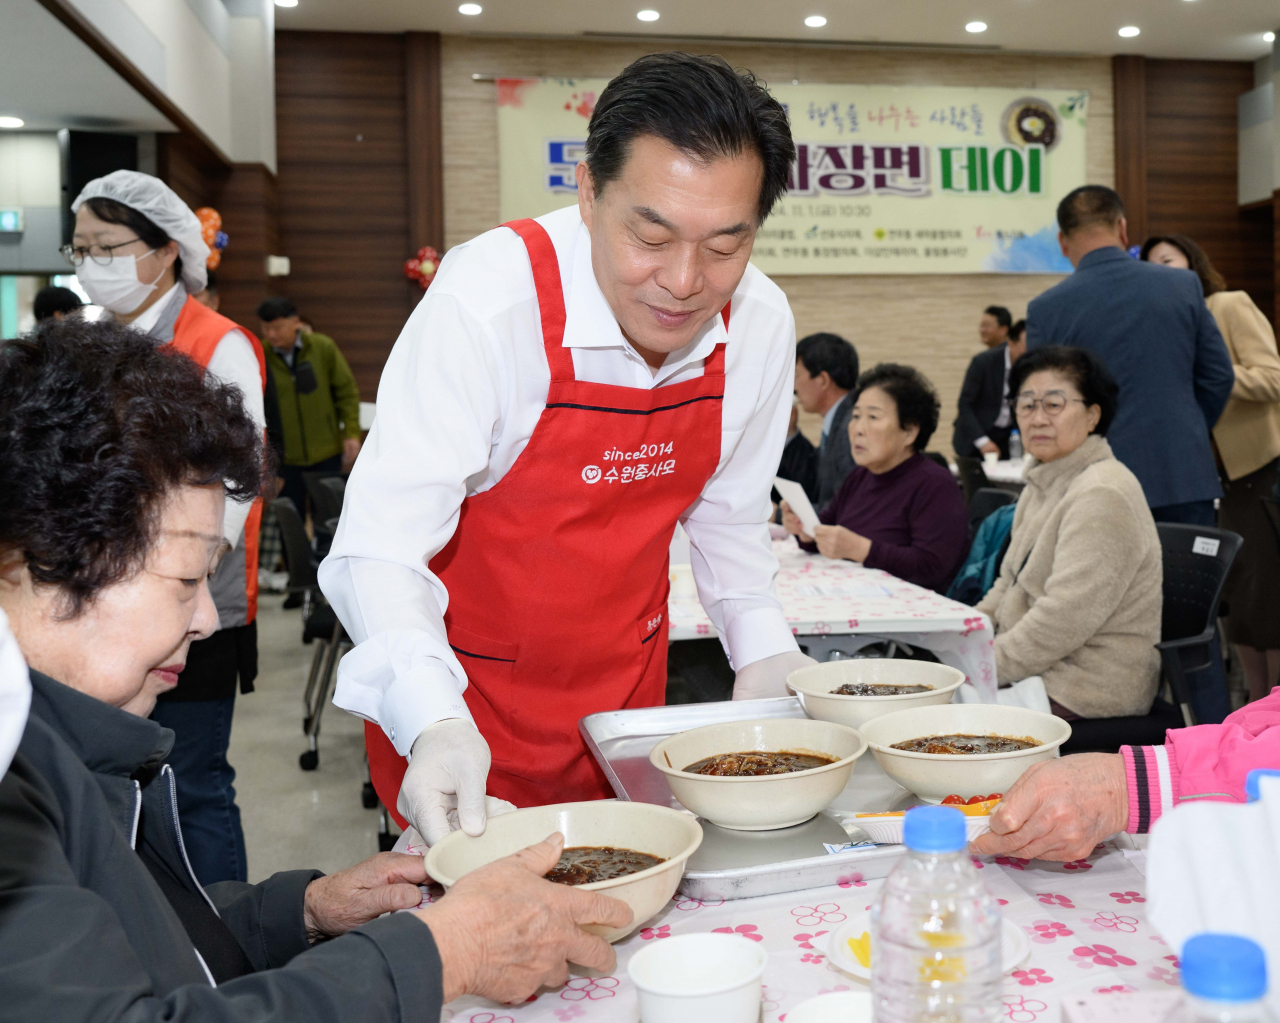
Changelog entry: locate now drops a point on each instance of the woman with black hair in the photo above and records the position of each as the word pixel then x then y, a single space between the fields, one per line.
pixel 897 510
pixel 139 253
pixel 1078 598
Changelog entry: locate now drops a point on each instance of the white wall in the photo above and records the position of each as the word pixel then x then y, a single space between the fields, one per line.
pixel 212 58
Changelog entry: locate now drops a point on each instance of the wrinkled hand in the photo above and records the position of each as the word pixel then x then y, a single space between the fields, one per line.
pixel 503 931
pixel 339 902
pixel 350 449
pixel 990 447
pixel 762 679
pixel 1060 809
pixel 839 543
pixel 792 524
pixel 450 759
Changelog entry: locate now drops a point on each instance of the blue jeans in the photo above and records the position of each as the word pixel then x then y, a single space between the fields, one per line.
pixel 1208 688
pixel 206 798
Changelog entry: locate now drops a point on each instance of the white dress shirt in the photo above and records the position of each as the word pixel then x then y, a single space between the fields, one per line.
pixel 460 395
pixel 233 362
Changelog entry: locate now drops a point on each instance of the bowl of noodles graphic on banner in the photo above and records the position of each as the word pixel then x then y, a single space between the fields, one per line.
pixel 1031 121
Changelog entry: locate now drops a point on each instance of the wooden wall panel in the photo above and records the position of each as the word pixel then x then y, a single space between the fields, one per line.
pixel 1129 82
pixel 250 208
pixel 422 131
pixel 1191 170
pixel 343 186
pixel 928 321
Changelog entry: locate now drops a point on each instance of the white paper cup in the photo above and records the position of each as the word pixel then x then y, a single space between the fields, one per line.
pixel 991 457
pixel 697 978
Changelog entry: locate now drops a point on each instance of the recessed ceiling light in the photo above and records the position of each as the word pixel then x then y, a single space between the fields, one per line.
pixel 286 3
pixel 976 26
pixel 470 9
pixel 815 21
pixel 647 15
pixel 1268 37
pixel 11 122
pixel 1129 31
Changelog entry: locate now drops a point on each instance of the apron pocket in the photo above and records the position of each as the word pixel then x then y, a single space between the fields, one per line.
pixel 650 625
pixel 472 648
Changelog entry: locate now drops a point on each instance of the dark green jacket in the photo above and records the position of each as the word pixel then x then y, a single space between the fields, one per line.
pixel 319 400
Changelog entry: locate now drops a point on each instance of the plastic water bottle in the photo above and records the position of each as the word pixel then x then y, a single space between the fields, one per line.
pixel 1225 980
pixel 937 930
pixel 1015 446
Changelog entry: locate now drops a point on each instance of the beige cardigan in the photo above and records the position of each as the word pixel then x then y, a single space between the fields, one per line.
pixel 1248 434
pixel 1078 598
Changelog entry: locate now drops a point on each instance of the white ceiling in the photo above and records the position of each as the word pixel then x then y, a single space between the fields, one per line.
pixel 52 80
pixel 1206 29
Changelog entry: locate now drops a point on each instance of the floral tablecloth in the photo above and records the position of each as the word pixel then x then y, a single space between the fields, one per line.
pixel 824 599
pixel 1085 920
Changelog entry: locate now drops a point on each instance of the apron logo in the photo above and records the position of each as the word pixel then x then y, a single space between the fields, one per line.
pixel 591 474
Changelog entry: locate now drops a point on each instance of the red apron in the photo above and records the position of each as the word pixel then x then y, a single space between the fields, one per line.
pixel 557 575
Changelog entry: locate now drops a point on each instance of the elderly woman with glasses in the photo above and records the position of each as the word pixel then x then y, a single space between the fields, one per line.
pixel 1078 598
pixel 116 458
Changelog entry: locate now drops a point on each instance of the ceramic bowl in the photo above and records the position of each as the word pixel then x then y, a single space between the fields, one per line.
pixel 770 801
pixel 644 827
pixel 934 776
pixel 813 686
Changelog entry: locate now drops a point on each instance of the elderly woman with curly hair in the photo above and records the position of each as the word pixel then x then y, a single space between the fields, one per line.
pixel 898 510
pixel 116 457
pixel 1078 598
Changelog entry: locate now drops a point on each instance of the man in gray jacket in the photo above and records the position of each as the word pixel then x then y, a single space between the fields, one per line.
pixel 826 372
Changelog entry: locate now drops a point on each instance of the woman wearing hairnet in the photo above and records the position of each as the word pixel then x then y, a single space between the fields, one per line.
pixel 138 252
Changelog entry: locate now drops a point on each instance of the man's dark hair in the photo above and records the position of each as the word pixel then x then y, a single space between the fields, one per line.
pixel 276 309
pixel 831 354
pixel 52 300
pixel 1210 280
pixel 1079 365
pixel 139 223
pixel 1089 206
pixel 1017 330
pixel 701 106
pixel 911 391
pixel 97 427
pixel 1002 315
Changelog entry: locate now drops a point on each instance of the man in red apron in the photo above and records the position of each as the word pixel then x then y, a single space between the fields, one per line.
pixel 568 390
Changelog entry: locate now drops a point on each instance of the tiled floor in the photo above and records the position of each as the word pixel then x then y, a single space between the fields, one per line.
pixel 294 818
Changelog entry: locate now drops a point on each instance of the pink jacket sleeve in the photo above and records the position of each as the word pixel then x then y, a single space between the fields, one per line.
pixel 1204 762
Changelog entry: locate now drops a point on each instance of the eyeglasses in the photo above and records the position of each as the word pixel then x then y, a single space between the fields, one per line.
pixel 100 254
pixel 1053 404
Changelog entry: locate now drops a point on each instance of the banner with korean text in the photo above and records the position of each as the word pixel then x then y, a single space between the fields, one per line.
pixel 888 179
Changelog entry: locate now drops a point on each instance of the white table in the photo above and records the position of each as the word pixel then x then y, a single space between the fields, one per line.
pixel 840 605
pixel 1005 471
pixel 1086 921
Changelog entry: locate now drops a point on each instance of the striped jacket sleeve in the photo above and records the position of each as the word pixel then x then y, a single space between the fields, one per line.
pixel 1204 762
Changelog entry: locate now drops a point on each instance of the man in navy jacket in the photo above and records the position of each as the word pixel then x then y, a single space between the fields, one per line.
pixel 1150 325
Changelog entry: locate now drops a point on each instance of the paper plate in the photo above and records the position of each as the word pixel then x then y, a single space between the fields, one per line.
pixel 834 1007
pixel 888 830
pixel 1015 946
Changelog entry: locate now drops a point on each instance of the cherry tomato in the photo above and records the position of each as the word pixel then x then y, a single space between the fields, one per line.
pixel 954 800
pixel 996 795
pixel 977 799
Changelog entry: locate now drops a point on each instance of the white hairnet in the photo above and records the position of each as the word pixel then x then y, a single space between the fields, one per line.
pixel 15 694
pixel 160 204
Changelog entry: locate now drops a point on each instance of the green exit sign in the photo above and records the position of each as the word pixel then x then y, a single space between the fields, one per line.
pixel 10 221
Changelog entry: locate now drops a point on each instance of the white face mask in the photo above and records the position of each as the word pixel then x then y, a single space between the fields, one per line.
pixel 115 285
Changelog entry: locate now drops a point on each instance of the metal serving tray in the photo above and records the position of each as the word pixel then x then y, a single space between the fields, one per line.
pixel 743 864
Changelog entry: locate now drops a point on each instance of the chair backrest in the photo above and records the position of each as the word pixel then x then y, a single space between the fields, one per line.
pixel 337 486
pixel 1196 562
pixel 297 547
pixel 938 457
pixel 984 501
pixel 326 503
pixel 972 478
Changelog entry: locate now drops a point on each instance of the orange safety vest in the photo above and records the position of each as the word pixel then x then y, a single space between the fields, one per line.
pixel 196 334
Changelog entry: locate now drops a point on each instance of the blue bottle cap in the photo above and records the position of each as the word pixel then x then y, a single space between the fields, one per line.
pixel 934 829
pixel 1224 968
pixel 1251 782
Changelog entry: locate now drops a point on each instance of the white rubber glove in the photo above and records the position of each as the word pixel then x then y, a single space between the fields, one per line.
pixel 447 771
pixel 767 678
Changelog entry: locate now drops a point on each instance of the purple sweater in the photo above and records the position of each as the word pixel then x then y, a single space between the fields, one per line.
pixel 914 516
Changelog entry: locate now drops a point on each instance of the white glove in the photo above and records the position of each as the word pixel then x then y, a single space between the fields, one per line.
pixel 447 771
pixel 763 679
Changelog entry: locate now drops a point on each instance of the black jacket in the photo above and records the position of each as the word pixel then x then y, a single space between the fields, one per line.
pixel 835 459
pixel 981 397
pixel 86 933
pixel 799 464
